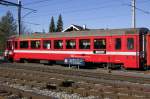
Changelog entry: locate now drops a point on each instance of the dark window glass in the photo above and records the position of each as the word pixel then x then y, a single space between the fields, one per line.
pixel 23 44
pixel 130 43
pixel 35 44
pixel 100 44
pixel 46 44
pixel 70 44
pixel 118 43
pixel 84 44
pixel 16 44
pixel 8 45
pixel 58 44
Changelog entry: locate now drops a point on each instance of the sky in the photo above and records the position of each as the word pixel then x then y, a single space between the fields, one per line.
pixel 95 14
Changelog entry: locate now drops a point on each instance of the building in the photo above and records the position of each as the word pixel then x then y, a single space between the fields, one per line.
pixel 73 27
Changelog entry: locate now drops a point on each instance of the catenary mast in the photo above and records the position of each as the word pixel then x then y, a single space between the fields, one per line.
pixel 133 14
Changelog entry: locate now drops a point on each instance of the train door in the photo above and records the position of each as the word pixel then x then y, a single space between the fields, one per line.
pixel 131 51
pixel 9 50
pixel 10 45
pixel 115 49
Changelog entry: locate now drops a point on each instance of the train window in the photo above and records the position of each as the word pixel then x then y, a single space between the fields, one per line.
pixel 130 43
pixel 84 44
pixel 35 44
pixel 58 44
pixel 8 45
pixel 70 44
pixel 99 43
pixel 46 44
pixel 118 43
pixel 23 44
pixel 16 44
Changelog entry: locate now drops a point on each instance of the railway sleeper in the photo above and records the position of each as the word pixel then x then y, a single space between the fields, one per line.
pixel 109 95
pixel 82 91
pixel 51 86
pixel 67 83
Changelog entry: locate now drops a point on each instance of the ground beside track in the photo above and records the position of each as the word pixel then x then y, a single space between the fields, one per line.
pixel 92 86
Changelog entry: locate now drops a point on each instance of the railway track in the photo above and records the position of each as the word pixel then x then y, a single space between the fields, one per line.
pixel 42 84
pixel 7 92
pixel 134 77
pixel 86 84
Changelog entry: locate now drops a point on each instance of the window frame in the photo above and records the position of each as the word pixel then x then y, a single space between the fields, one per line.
pixel 120 43
pixel 23 44
pixel 54 47
pixel 99 39
pixel 131 38
pixel 35 44
pixel 16 44
pixel 43 44
pixel 9 45
pixel 85 48
pixel 71 40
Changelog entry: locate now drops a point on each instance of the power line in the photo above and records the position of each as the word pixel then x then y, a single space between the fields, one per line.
pixel 144 11
pixel 81 10
pixel 65 2
pixel 95 8
pixel 31 11
pixel 31 23
pixel 144 1
pixel 28 14
pixel 101 17
pixel 7 3
pixel 19 6
pixel 36 2
pixel 28 9
pixel 139 9
pixel 84 9
pixel 28 22
pixel 90 9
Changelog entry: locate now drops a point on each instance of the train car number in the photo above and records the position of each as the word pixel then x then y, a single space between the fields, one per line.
pixel 74 61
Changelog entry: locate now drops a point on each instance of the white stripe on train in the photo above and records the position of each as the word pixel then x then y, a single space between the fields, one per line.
pixel 75 52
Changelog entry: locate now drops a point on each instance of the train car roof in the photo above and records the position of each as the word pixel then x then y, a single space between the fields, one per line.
pixel 96 32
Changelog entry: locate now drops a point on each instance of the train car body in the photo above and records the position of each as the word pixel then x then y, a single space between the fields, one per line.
pixel 129 48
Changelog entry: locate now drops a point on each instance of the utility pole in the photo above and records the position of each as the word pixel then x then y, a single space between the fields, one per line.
pixel 19 16
pixel 133 14
pixel 19 6
pixel 7 3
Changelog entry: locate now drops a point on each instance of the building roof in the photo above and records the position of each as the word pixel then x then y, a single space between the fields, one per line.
pixel 74 27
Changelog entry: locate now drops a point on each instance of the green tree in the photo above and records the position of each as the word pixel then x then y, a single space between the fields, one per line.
pixel 52 25
pixel 8 27
pixel 59 24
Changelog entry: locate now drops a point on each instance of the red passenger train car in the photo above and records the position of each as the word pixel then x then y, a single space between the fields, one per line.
pixel 129 48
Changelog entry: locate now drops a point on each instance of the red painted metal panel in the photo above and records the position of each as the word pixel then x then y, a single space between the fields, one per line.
pixel 148 50
pixel 115 56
